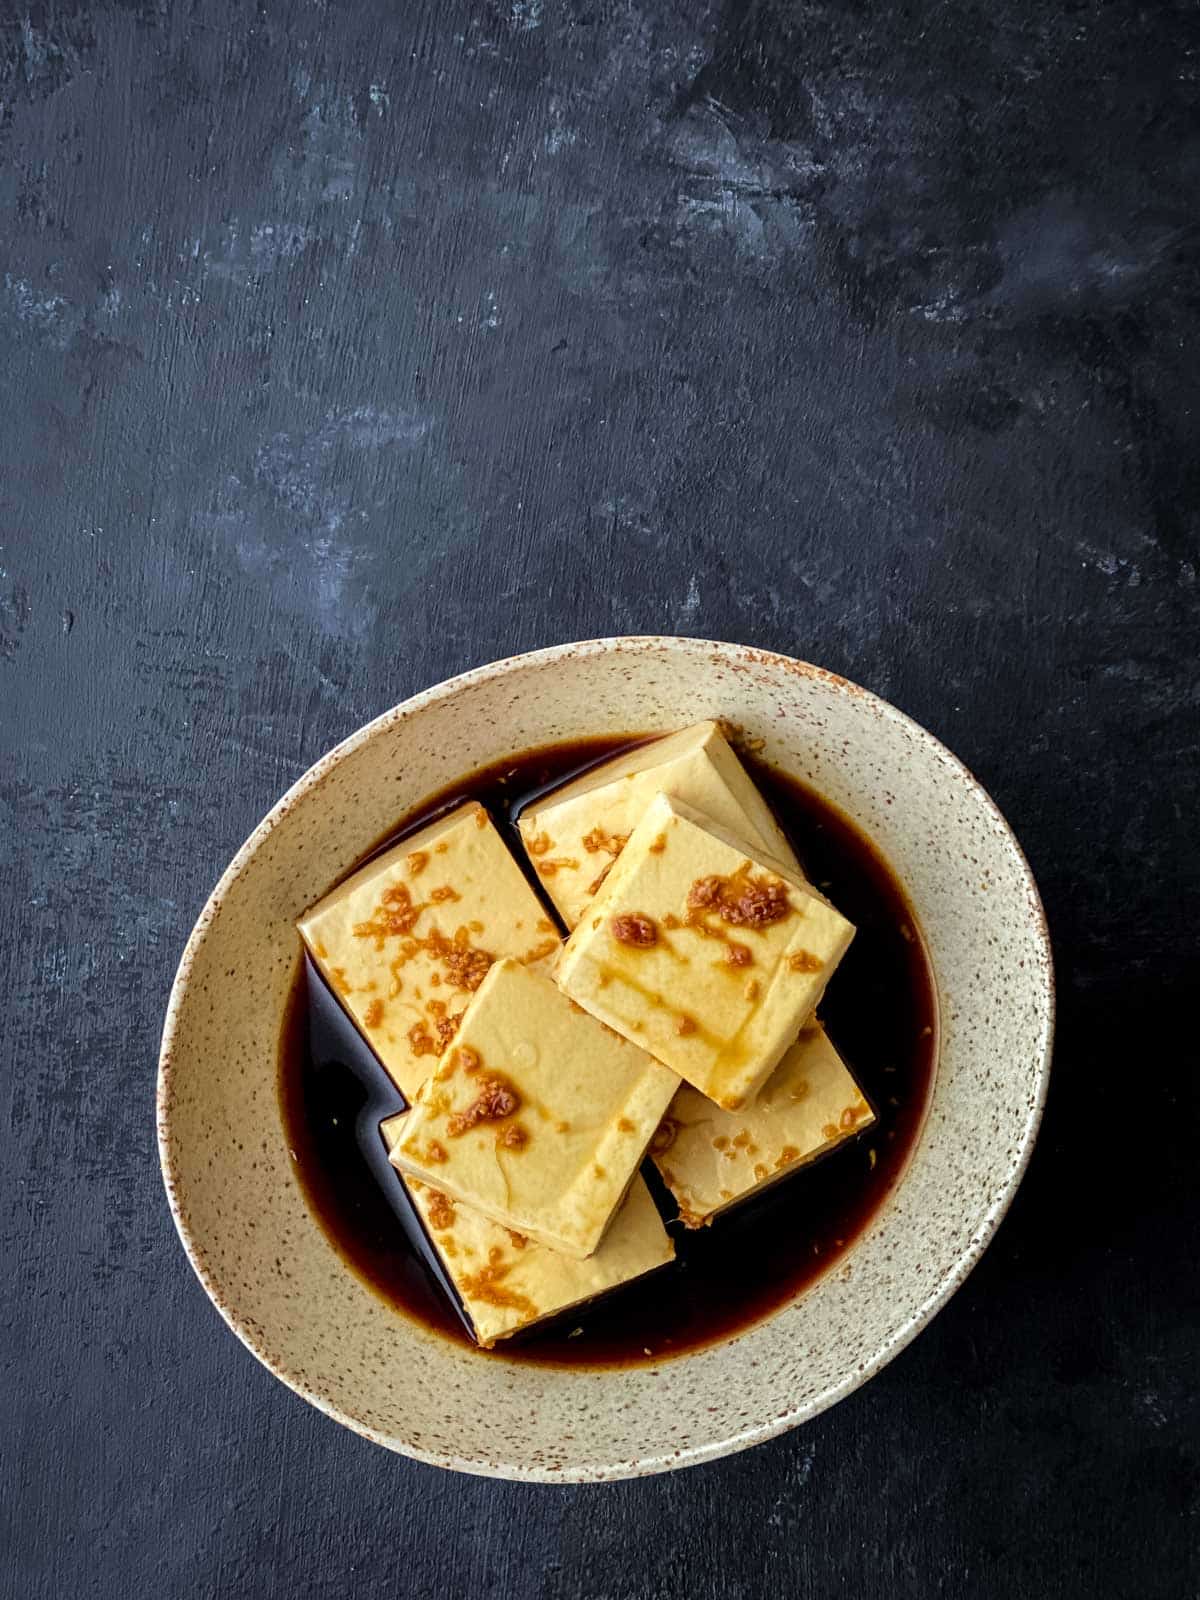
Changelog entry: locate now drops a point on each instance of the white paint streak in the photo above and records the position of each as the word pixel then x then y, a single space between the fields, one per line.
pixel 758 198
pixel 51 316
pixel 559 137
pixel 526 15
pixel 1153 1407
pixel 944 309
pixel 797 1475
pixel 1112 566
pixel 240 257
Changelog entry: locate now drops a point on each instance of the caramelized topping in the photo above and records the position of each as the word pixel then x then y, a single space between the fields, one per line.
pixel 373 1015
pixel 753 743
pixel 539 952
pixel 442 893
pixel 740 899
pixel 609 843
pixel 635 929
pixel 597 881
pixel 421 1041
pixel 497 1099
pixel 514 1137
pixel 804 961
pixel 467 1058
pixel 435 1152
pixel 441 1211
pixel 738 955
pixel 417 862
pixel 685 1025
pixel 550 865
pixel 394 916
pixel 539 845
pixel 487 1287
pixel 466 967
pixel 447 1027
pixel 659 845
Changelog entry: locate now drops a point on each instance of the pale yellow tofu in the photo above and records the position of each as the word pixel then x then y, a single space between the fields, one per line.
pixel 709 956
pixel 507 1282
pixel 408 938
pixel 537 1116
pixel 574 833
pixel 710 1158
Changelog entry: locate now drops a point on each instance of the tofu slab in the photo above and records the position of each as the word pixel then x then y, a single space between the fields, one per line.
pixel 507 1282
pixel 574 834
pixel 537 1116
pixel 711 1159
pixel 407 940
pixel 709 956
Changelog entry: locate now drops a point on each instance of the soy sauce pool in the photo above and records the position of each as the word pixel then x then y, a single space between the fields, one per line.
pixel 879 1010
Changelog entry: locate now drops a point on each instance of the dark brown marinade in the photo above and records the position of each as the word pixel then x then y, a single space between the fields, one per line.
pixel 879 1009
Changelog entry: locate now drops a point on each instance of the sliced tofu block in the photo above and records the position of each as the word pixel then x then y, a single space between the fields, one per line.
pixel 710 1159
pixel 574 834
pixel 709 956
pixel 537 1116
pixel 507 1282
pixel 407 940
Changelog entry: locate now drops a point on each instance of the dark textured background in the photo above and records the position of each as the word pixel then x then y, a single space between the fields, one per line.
pixel 343 346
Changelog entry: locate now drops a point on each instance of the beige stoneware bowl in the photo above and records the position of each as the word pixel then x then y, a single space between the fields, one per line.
pixel 284 1290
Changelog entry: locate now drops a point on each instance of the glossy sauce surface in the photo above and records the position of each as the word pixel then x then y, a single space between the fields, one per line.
pixel 879 1010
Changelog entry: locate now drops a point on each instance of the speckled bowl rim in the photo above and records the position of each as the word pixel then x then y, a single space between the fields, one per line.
pixel 889 1347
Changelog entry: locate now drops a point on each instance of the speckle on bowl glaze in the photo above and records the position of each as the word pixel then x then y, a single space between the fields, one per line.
pixel 282 1287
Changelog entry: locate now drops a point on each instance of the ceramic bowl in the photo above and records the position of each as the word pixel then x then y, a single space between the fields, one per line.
pixel 279 1283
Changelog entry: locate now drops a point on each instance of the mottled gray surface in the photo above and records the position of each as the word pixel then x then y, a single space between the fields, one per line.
pixel 343 346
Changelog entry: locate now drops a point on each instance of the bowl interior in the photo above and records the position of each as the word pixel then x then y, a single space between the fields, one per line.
pixel 272 1272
